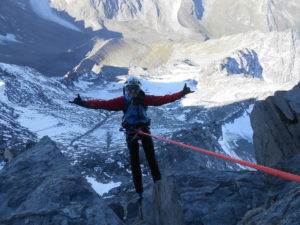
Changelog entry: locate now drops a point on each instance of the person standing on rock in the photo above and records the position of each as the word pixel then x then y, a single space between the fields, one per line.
pixel 134 105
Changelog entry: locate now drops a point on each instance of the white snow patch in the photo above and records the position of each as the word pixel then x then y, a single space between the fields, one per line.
pixel 181 117
pixel 240 128
pixel 109 160
pixel 43 124
pixel 121 165
pixel 25 73
pixel 42 8
pixel 8 37
pixel 3 97
pixel 2 164
pixel 101 188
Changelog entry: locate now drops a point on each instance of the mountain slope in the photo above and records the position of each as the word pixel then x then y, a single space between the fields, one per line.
pixel 185 18
pixel 231 53
pixel 39 43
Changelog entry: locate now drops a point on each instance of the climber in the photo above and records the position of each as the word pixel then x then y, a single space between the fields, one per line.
pixel 134 104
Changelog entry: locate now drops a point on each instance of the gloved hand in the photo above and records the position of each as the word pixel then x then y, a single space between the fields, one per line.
pixel 186 90
pixel 78 101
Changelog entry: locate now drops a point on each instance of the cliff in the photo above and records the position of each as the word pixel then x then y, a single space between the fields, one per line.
pixel 276 125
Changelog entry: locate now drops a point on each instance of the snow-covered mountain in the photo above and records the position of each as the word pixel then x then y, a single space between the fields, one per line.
pixel 41 106
pixel 250 60
pixel 184 18
pixel 232 53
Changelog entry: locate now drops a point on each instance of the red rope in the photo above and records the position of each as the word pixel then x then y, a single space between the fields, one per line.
pixel 265 169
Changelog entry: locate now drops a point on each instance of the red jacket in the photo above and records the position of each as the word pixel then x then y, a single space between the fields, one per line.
pixel 118 104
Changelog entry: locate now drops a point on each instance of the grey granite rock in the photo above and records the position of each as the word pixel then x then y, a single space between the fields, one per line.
pixel 39 186
pixel 284 211
pixel 167 203
pixel 276 125
pixel 282 204
pixel 220 197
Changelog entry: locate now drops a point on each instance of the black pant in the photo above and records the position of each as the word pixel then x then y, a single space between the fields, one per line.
pixel 148 146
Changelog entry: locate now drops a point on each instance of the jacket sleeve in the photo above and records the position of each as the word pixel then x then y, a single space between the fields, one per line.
pixel 160 100
pixel 116 104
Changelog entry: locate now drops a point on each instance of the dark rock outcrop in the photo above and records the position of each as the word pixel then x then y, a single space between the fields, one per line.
pixel 39 187
pixel 282 205
pixel 285 211
pixel 163 206
pixel 220 197
pixel 244 61
pixel 167 203
pixel 211 197
pixel 276 125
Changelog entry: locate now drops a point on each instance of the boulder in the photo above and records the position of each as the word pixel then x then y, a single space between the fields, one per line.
pixel 39 186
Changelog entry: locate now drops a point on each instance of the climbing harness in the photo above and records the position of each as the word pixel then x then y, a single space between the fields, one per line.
pixel 132 133
pixel 275 172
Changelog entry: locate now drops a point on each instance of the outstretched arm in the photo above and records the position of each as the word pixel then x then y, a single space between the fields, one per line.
pixel 160 100
pixel 116 104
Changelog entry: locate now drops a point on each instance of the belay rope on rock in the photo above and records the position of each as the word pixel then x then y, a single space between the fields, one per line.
pixel 275 172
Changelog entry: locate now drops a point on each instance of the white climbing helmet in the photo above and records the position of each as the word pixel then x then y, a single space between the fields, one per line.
pixel 134 81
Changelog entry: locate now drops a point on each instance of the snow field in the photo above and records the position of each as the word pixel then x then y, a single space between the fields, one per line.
pixel 102 188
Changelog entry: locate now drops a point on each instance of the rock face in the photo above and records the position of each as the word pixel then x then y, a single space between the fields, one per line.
pixel 243 62
pixel 210 197
pixel 276 125
pixel 40 187
pixel 164 206
pixel 167 203
pixel 220 197
pixel 277 212
pixel 282 205
pixel 161 204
